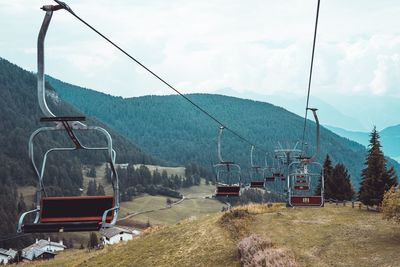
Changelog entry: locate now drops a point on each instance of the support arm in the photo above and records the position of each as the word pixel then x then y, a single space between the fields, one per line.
pixel 314 157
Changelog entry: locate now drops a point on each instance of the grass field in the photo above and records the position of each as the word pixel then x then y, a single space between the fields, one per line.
pixel 180 171
pixel 333 236
pixel 194 205
pixel 330 236
pixel 29 191
pixel 29 194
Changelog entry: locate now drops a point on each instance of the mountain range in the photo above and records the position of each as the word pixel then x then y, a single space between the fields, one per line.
pixel 168 127
pixel 354 113
pixel 390 139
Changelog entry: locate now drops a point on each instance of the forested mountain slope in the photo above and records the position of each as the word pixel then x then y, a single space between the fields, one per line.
pixel 19 117
pixel 170 128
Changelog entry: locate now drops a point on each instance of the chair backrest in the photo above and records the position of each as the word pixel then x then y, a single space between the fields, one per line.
pixel 76 209
pixel 270 179
pixel 228 190
pixel 302 187
pixel 306 200
pixel 257 184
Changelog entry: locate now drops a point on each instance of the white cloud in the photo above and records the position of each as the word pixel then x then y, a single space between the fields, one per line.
pixel 261 46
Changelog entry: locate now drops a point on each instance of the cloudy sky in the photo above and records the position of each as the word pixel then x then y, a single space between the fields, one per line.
pixel 257 47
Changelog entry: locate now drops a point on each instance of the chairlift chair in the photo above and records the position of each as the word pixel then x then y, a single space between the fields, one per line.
pixel 304 175
pixel 228 181
pixel 67 213
pixel 255 174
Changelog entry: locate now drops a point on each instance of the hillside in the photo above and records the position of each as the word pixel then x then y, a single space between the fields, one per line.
pixel 19 116
pixel 169 128
pixel 331 236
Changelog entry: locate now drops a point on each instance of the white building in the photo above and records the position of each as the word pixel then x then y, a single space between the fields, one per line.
pixel 7 256
pixel 115 235
pixel 42 248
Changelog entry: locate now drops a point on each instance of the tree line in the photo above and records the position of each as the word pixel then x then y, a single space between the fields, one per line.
pixel 134 181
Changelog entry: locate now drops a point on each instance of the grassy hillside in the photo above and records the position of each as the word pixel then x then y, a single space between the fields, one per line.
pixel 170 128
pixel 194 205
pixel 330 236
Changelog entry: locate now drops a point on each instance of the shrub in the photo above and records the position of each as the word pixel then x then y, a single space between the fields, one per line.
pixel 391 205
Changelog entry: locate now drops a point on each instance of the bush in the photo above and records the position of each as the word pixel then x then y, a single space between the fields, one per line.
pixel 391 204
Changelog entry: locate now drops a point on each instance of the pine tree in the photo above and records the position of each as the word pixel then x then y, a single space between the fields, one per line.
pixel 107 173
pixel 327 172
pixel 100 190
pixel 375 176
pixel 93 240
pixel 92 188
pixel 91 172
pixel 341 177
pixel 21 204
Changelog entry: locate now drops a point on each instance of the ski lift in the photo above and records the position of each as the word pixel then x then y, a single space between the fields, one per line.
pixel 255 182
pixel 67 213
pixel 304 174
pixel 268 172
pixel 228 182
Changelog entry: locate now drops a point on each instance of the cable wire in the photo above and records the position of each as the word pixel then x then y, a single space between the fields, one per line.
pixel 10 237
pixel 310 76
pixel 67 8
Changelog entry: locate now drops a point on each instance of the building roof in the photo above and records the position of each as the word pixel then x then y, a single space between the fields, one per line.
pixel 33 253
pixel 113 231
pixel 39 244
pixel 9 253
pixel 38 248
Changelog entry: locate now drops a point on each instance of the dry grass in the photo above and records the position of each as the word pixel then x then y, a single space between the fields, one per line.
pixel 238 220
pixel 330 236
pixel 256 251
pixel 260 208
pixel 190 243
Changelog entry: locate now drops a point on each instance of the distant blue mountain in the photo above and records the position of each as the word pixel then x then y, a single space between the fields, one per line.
pixel 355 113
pixel 328 114
pixel 390 139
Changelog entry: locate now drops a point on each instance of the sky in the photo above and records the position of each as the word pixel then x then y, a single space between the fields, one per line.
pixel 258 48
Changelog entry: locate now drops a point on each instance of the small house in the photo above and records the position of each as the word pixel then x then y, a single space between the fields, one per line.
pixel 42 249
pixel 37 254
pixel 7 256
pixel 115 235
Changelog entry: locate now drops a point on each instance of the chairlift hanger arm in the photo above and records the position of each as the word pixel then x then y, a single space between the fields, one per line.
pixel 251 157
pixel 314 157
pixel 49 9
pixel 221 130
